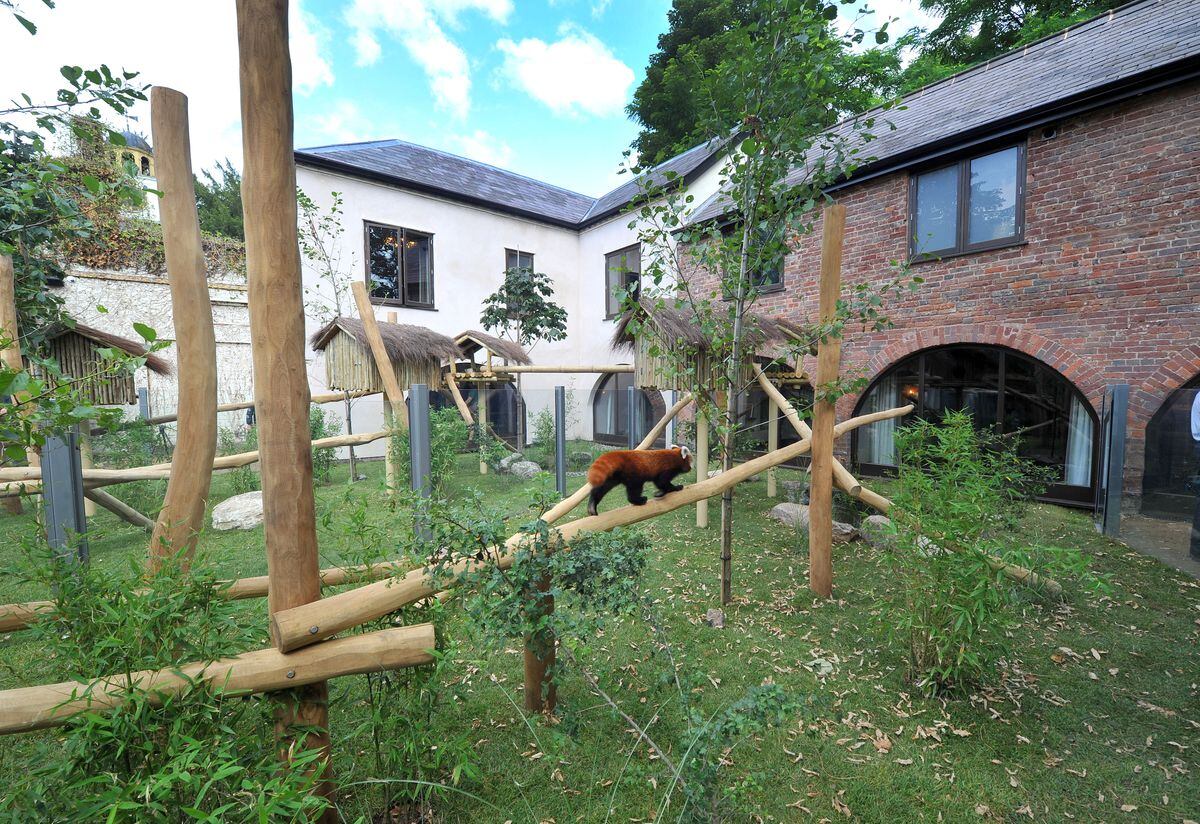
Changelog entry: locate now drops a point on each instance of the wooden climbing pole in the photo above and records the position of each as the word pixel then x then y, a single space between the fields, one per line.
pixel 281 393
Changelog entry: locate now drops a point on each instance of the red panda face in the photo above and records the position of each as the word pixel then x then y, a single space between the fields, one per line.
pixel 685 455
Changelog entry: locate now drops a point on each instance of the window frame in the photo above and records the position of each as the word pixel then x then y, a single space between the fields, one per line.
pixel 962 246
pixel 402 234
pixel 518 253
pixel 759 288
pixel 608 295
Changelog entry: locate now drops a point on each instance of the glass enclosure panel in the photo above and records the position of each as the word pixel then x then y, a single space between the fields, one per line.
pixel 383 252
pixel 753 421
pixel 1172 479
pixel 936 225
pixel 993 214
pixel 610 409
pixel 418 281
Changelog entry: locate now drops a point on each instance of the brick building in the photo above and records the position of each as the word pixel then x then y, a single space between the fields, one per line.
pixel 1051 201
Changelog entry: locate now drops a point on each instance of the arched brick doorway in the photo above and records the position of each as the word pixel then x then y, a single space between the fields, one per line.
pixel 1006 390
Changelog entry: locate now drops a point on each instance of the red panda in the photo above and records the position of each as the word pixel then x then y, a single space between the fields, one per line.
pixel 634 468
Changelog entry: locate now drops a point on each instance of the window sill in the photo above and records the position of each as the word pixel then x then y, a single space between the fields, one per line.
pixel 917 260
pixel 395 304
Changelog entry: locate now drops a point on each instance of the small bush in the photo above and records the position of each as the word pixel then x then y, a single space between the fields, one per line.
pixel 322 424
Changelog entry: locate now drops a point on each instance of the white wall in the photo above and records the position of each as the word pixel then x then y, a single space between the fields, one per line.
pixel 468 264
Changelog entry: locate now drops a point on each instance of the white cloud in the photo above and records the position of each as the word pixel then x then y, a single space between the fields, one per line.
pixel 599 7
pixel 417 25
pixel 575 74
pixel 481 146
pixel 203 64
pixel 341 123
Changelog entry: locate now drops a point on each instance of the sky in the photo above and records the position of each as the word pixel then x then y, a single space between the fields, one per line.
pixel 538 87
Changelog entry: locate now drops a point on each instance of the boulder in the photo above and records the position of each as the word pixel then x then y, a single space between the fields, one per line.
pixel 239 512
pixel 579 460
pixel 715 618
pixel 877 530
pixel 508 460
pixel 524 469
pixel 796 515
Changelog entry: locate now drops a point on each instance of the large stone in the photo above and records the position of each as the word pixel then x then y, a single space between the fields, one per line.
pixel 508 460
pixel 796 515
pixel 877 531
pixel 239 512
pixel 524 469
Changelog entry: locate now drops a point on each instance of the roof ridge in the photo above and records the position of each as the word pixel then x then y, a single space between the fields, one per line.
pixel 1004 57
pixel 379 141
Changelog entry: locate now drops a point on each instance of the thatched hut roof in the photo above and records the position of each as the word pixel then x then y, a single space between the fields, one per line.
pixel 472 341
pixel 676 325
pixel 154 363
pixel 404 343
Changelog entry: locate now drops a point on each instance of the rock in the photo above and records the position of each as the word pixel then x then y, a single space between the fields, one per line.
pixel 239 512
pixel 876 530
pixel 715 618
pixel 580 460
pixel 508 460
pixel 524 469
pixel 796 515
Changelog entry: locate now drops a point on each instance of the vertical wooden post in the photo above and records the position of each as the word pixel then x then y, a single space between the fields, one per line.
pixel 829 353
pixel 281 393
pixel 482 409
pixel 701 464
pixel 772 442
pixel 12 352
pixel 85 460
pixel 182 515
pixel 539 657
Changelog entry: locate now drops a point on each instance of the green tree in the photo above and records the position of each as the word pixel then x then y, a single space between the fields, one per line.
pixel 219 201
pixel 521 309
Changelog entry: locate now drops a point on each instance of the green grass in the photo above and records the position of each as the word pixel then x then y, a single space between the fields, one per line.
pixel 1109 731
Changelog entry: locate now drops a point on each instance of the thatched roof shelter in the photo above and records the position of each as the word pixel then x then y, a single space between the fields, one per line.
pixel 677 339
pixel 416 354
pixel 76 349
pixel 472 341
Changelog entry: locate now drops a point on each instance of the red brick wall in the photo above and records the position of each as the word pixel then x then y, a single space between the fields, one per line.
pixel 1106 288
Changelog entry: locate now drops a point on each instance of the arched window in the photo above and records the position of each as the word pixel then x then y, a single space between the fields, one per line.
pixel 1005 390
pixel 752 419
pixel 610 410
pixel 145 165
pixel 1172 475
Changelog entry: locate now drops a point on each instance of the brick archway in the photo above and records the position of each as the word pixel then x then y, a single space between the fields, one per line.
pixel 1147 398
pixel 1086 376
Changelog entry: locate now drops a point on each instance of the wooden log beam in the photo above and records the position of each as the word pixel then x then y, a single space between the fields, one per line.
pixel 10 330
pixel 328 397
pixel 701 462
pixel 265 670
pixel 829 356
pixel 19 616
pixel 182 515
pixel 292 629
pixel 562 370
pixel 463 409
pixel 281 393
pixel 391 386
pixel 119 508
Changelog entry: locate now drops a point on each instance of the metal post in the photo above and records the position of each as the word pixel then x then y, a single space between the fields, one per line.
pixel 143 394
pixel 418 448
pixel 350 431
pixel 62 488
pixel 631 405
pixel 560 439
pixel 1112 458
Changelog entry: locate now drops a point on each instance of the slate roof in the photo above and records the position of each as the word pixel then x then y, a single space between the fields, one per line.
pixel 1127 47
pixel 417 167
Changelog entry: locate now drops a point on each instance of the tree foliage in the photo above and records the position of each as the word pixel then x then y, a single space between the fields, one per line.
pixel 219 201
pixel 522 309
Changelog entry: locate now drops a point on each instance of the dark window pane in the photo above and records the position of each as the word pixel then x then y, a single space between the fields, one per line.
pixel 622 270
pixel 418 280
pixel 514 259
pixel 610 410
pixel 993 197
pixel 876 442
pixel 383 251
pixel 935 228
pixel 1172 478
pixel 965 378
pixel 1049 419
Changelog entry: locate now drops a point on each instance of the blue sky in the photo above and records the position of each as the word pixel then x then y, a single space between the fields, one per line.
pixel 535 86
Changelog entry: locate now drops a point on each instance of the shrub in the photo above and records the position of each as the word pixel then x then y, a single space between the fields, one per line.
pixel 322 424
pixel 959 497
pixel 448 437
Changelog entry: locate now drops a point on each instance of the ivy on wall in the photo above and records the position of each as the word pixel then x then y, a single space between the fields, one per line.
pixel 131 244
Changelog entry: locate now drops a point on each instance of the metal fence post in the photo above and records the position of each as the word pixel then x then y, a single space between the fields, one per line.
pixel 631 405
pixel 62 488
pixel 143 394
pixel 419 448
pixel 560 439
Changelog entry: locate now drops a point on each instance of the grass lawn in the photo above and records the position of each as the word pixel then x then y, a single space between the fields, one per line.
pixel 1094 716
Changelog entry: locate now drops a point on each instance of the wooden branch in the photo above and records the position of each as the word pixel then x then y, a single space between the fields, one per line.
pixel 299 627
pixel 328 397
pixel 383 363
pixel 563 370
pixel 182 515
pixel 119 508
pixel 35 708
pixel 463 409
pixel 19 616
pixel 281 394
pixel 10 328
